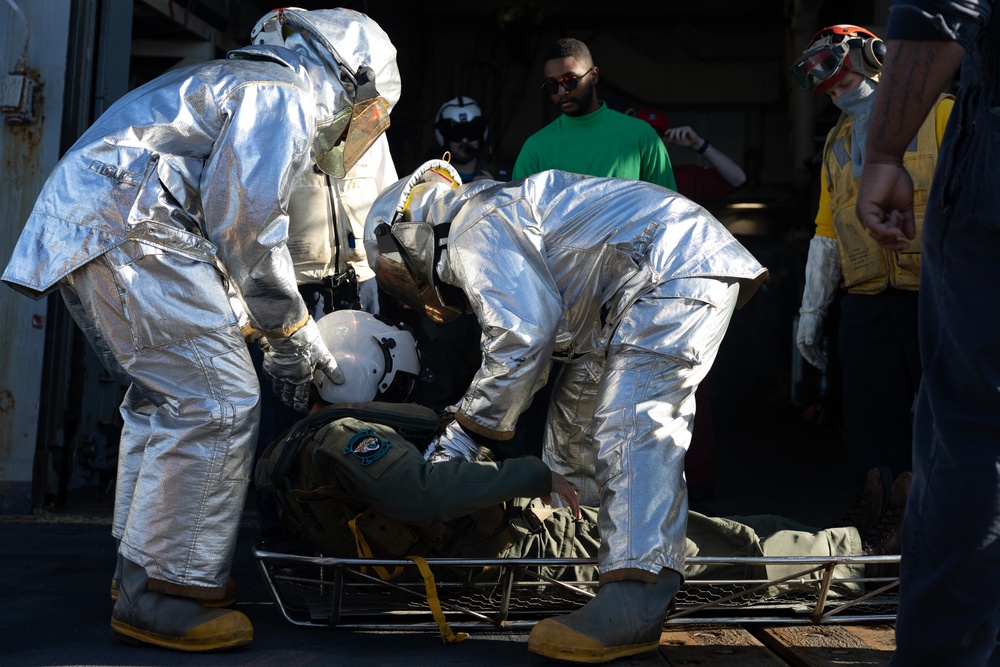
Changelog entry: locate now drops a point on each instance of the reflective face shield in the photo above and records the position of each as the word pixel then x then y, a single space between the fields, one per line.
pixel 395 277
pixel 340 143
pixel 820 68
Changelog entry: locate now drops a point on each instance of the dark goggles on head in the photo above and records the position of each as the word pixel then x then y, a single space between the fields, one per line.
pixel 456 131
pixel 567 82
pixel 820 68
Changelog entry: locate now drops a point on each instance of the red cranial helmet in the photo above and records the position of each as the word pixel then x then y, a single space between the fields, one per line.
pixel 833 52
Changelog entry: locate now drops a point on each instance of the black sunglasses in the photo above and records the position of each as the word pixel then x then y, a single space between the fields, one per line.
pixel 569 82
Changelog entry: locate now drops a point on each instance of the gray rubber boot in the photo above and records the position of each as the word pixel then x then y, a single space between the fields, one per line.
pixel 228 599
pixel 625 618
pixel 116 580
pixel 172 621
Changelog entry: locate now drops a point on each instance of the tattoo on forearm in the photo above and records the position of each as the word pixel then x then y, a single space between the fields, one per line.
pixel 909 70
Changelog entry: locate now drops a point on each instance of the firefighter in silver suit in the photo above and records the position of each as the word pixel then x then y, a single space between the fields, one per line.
pixel 630 282
pixel 173 200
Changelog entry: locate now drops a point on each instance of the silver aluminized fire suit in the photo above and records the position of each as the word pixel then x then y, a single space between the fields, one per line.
pixel 176 193
pixel 630 279
pixel 327 222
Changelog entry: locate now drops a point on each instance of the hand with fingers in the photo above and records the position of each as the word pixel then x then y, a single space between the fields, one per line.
pixel 683 136
pixel 290 362
pixel 565 490
pixel 885 205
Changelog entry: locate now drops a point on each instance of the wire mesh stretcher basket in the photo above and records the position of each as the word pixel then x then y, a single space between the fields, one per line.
pixel 516 593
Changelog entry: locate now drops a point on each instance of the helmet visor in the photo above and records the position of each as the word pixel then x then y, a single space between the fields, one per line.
pixel 818 69
pixel 340 143
pixel 456 131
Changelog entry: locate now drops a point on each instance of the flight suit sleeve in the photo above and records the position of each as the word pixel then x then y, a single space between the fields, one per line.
pixel 383 470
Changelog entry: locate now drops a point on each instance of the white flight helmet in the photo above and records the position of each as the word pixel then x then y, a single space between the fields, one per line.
pixel 403 245
pixel 379 360
pixel 460 117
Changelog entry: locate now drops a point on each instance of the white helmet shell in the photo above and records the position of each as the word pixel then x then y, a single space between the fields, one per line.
pixel 459 110
pixel 379 360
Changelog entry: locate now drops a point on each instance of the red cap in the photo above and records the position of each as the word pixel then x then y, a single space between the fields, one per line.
pixel 657 119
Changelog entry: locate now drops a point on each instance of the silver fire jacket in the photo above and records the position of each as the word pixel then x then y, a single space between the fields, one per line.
pixel 198 162
pixel 552 263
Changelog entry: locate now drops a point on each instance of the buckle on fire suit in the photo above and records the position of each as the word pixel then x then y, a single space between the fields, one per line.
pixel 338 279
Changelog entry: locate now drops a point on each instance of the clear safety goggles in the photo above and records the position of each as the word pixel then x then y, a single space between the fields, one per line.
pixel 820 68
pixel 340 143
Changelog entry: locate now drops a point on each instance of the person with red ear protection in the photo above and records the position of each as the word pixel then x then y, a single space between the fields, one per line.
pixel 878 288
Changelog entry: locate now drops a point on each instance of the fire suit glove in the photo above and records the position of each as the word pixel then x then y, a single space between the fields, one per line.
pixel 453 443
pixel 823 277
pixel 290 363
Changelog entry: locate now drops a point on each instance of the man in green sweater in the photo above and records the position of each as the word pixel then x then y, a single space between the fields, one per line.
pixel 589 138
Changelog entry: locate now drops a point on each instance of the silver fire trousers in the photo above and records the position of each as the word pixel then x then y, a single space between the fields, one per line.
pixel 621 429
pixel 162 324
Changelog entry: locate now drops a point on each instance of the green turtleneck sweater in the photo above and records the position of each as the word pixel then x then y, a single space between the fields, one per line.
pixel 601 143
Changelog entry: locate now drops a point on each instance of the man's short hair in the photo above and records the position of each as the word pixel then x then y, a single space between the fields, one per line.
pixel 567 47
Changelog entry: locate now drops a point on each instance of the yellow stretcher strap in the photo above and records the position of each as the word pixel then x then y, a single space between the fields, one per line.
pixel 364 551
pixel 447 636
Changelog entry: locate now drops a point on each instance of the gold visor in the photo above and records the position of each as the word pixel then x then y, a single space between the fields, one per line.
pixel 340 143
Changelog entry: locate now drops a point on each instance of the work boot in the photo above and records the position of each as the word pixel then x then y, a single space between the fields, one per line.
pixel 172 621
pixel 228 599
pixel 871 504
pixel 116 580
pixel 624 618
pixel 884 539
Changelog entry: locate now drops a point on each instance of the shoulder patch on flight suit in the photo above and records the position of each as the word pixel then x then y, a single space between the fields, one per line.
pixel 370 447
pixel 367 447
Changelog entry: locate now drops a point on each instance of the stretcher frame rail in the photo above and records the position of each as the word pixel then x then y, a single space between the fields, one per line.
pixel 509 593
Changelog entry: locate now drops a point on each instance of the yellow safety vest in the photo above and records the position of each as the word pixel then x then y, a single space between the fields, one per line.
pixel 867 268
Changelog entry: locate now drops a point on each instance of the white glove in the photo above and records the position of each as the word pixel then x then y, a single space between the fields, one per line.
pixel 290 363
pixel 823 277
pixel 454 443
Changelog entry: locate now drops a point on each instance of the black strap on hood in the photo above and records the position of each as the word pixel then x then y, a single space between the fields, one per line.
pixel 360 86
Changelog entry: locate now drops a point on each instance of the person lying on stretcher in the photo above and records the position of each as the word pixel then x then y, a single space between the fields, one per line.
pixel 362 476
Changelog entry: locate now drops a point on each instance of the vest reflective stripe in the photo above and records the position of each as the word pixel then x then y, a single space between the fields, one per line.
pixel 867 268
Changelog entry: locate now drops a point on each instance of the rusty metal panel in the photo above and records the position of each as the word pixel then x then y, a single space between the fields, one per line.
pixel 28 152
